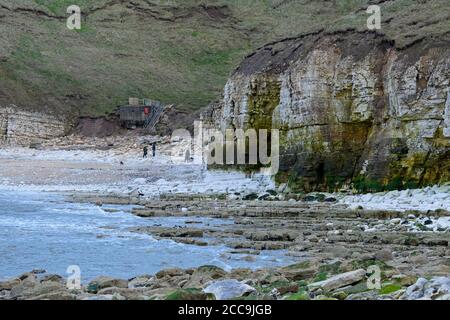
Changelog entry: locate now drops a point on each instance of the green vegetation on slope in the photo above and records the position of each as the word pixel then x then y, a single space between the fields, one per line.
pixel 178 51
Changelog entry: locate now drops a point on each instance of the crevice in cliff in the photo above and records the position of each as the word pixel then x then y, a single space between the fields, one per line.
pixel 438 135
pixel 361 153
pixel 424 171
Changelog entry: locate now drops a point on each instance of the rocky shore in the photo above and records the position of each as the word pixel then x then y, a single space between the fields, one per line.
pixel 336 248
pixel 334 242
pixel 307 280
pixel 353 95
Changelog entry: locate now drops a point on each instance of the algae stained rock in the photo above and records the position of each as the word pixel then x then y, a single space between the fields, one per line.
pixel 351 107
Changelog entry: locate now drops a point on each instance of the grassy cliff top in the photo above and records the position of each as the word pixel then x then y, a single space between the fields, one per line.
pixel 176 51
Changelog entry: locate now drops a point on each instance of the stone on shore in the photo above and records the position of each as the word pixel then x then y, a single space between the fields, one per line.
pixel 339 281
pixel 435 289
pixel 203 275
pixel 229 289
pixel 45 290
pixel 9 284
pixel 173 272
pixel 271 236
pixel 300 271
pixel 105 282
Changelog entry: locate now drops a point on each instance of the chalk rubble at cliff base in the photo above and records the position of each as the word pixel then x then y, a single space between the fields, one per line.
pixel 429 198
pixel 165 174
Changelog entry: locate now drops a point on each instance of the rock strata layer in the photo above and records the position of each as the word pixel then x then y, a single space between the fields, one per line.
pixel 19 127
pixel 350 107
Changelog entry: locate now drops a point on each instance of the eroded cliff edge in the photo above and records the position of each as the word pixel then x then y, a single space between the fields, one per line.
pixel 351 107
pixel 18 127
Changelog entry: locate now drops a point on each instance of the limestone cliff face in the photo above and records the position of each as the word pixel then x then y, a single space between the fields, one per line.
pixel 24 128
pixel 351 108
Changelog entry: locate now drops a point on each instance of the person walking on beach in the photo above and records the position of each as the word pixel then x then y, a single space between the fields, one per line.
pixel 145 152
pixel 154 149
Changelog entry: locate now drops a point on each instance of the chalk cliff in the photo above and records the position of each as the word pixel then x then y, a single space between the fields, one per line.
pixel 351 107
pixel 24 128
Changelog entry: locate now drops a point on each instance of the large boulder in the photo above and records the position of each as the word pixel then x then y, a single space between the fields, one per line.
pixel 434 289
pixel 339 281
pixel 44 290
pixel 173 272
pixel 300 271
pixel 105 282
pixel 203 275
pixel 9 284
pixel 229 289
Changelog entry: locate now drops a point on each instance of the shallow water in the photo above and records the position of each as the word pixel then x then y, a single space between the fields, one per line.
pixel 43 231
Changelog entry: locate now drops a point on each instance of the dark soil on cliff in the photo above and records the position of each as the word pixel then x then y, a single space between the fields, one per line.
pixel 98 127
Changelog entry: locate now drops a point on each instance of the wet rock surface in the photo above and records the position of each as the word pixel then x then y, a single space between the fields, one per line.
pixel 335 248
pixel 324 237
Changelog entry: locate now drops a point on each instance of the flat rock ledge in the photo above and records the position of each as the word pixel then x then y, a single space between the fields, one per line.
pixel 307 280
